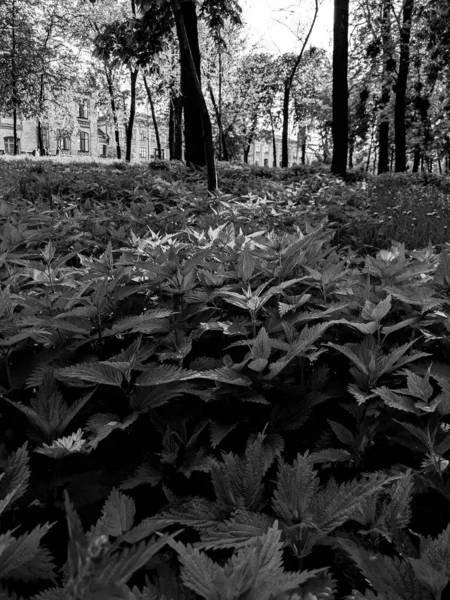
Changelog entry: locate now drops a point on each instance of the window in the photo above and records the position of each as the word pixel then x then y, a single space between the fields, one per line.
pixel 84 141
pixel 143 135
pixel 83 110
pixel 266 162
pixel 258 147
pixel 9 145
pixel 103 149
pixel 163 154
pixel 121 132
pixel 63 142
pixel 143 152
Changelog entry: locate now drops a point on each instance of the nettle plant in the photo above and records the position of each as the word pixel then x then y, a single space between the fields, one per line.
pixel 236 386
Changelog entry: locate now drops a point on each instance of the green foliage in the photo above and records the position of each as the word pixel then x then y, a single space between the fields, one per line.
pixel 253 389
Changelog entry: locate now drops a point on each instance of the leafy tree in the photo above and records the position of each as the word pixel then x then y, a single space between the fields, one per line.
pixel 134 42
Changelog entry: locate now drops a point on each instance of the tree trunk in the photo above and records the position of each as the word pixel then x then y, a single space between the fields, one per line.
pixel 194 142
pixel 222 150
pixel 274 140
pixel 416 160
pixel 284 137
pixel 351 149
pixel 340 87
pixel 113 110
pixel 195 99
pixel 39 135
pixel 175 127
pixel 133 74
pixel 14 75
pixel 402 83
pixel 155 123
pixel 383 135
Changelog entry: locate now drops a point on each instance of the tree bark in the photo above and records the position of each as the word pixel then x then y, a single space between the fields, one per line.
pixel 13 76
pixel 402 83
pixel 193 96
pixel 383 134
pixel 194 143
pixel 274 140
pixel 114 111
pixel 133 74
pixel 222 146
pixel 155 122
pixel 175 126
pixel 340 88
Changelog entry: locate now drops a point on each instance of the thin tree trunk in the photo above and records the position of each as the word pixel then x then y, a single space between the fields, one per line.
pixel 175 129
pixel 402 83
pixel 112 101
pixel 285 132
pixel 351 148
pixel 383 156
pixel 222 150
pixel 40 137
pixel 195 93
pixel 416 160
pixel 133 74
pixel 340 88
pixel 155 123
pixel 14 76
pixel 274 142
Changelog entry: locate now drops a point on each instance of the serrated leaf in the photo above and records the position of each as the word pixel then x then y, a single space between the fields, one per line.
pixel 117 515
pixel 236 532
pixel 96 373
pixel 261 346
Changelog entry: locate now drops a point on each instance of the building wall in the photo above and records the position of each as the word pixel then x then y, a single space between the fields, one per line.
pixel 27 134
pixel 143 146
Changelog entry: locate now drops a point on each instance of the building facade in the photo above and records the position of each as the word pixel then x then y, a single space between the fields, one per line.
pixel 95 136
pixel 86 140
pixel 143 145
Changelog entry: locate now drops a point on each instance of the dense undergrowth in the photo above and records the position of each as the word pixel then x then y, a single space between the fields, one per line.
pixel 244 396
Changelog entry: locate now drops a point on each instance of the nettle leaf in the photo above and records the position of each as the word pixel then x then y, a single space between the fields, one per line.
pixel 64 446
pixel 96 373
pixel 376 312
pixel 342 433
pixel 156 374
pixel 255 572
pixel 218 431
pixel 237 532
pixel 21 556
pixel 199 513
pixel 247 264
pixel 261 347
pixel 436 551
pixel 104 424
pixel 15 476
pixel 296 486
pixel 145 474
pixel 330 455
pixel 390 576
pixel 117 516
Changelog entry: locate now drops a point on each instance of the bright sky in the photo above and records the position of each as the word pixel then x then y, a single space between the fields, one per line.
pixel 271 22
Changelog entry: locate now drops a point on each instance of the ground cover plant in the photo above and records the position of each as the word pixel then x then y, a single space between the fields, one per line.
pixel 235 396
